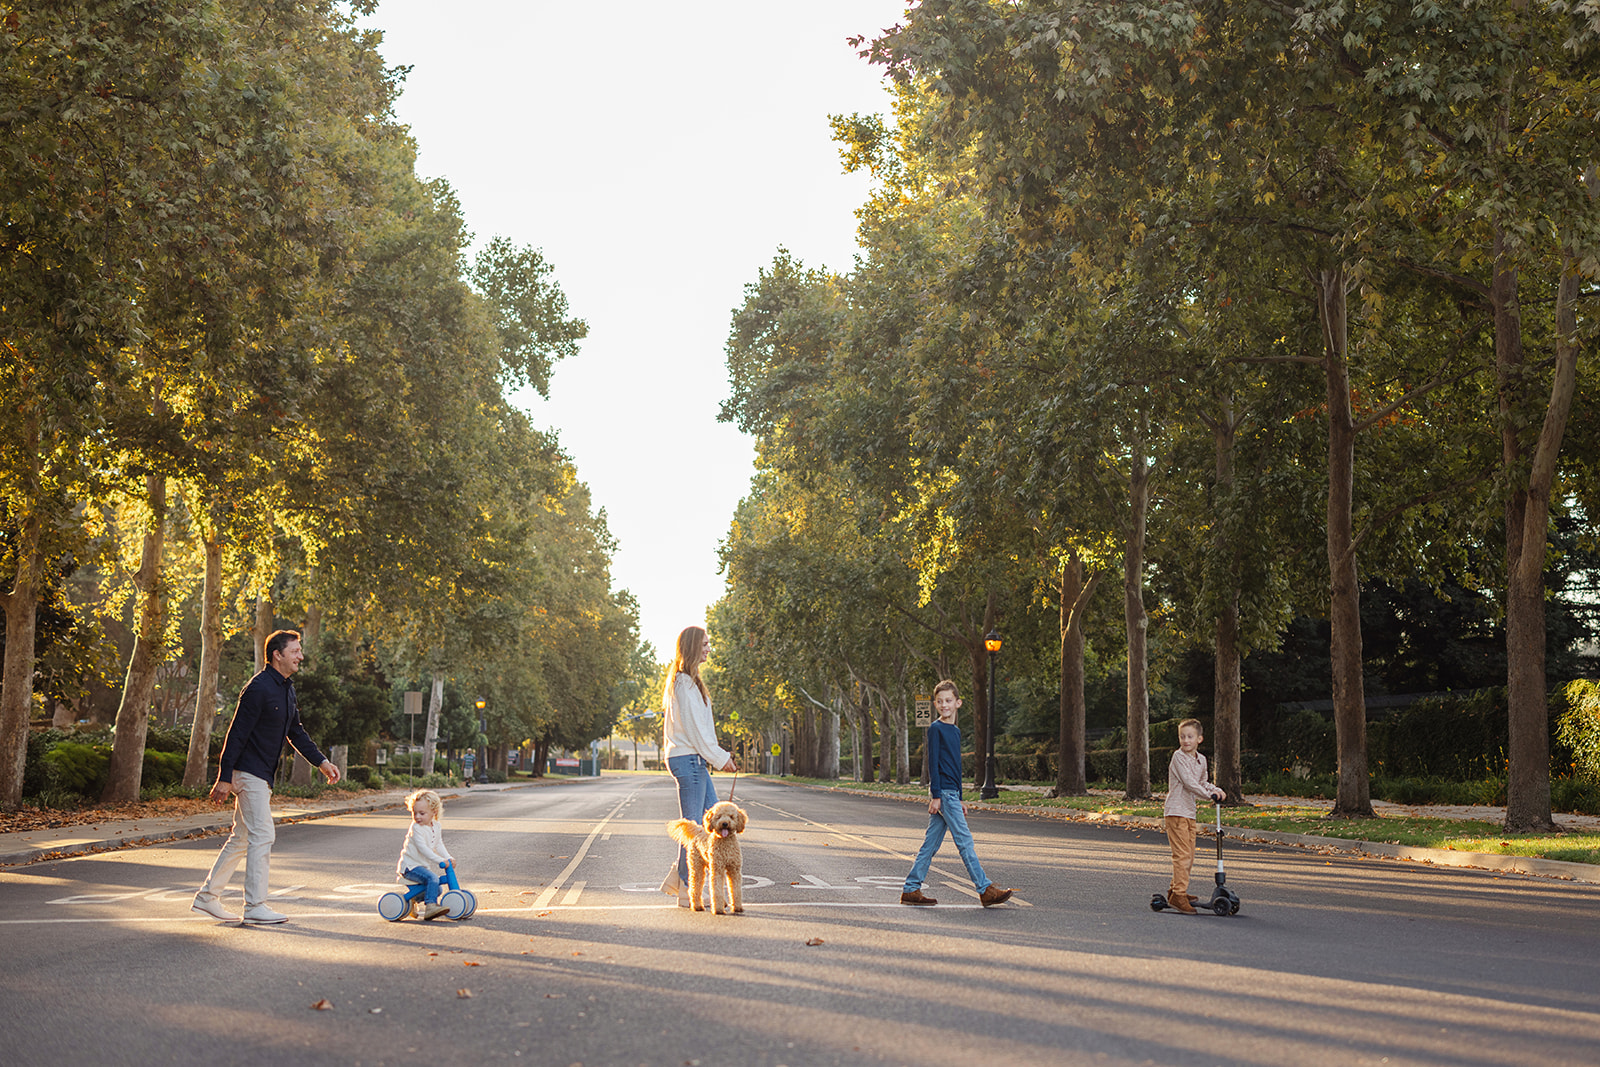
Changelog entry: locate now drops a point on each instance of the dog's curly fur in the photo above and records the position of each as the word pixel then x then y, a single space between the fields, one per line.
pixel 714 849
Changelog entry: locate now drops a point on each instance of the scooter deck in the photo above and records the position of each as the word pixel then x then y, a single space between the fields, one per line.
pixel 1158 902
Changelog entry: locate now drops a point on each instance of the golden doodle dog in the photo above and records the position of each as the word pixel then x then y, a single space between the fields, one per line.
pixel 714 850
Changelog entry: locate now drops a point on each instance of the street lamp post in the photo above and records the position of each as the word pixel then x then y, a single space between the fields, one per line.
pixel 483 747
pixel 990 789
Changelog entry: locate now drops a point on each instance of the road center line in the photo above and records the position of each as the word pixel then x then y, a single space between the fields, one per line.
pixel 550 891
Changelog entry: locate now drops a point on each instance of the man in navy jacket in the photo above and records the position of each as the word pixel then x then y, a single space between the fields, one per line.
pixel 266 716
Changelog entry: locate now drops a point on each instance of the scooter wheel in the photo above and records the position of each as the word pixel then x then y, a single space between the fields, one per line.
pixel 1222 906
pixel 1233 906
pixel 393 907
pixel 472 903
pixel 1158 902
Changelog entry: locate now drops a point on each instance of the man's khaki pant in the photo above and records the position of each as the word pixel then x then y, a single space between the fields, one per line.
pixel 251 841
pixel 1181 833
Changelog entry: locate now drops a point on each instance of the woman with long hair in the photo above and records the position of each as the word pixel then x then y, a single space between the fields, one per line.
pixel 691 745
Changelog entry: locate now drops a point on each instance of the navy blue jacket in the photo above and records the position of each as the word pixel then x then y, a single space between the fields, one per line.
pixel 267 714
pixel 944 757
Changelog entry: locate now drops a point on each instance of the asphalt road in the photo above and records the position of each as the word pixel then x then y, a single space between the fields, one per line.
pixel 573 958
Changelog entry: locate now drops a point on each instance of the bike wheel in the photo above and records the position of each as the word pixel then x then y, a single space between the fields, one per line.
pixel 456 901
pixel 393 907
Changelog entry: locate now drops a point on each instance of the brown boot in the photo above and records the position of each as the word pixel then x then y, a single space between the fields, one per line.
pixel 1192 898
pixel 994 895
pixel 1180 901
pixel 916 897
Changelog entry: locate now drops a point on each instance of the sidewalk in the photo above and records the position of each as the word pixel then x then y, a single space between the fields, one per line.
pixel 1441 857
pixel 29 846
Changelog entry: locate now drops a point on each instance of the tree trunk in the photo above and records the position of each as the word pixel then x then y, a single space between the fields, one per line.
pixel 430 735
pixel 1072 751
pixel 1225 695
pixel 263 627
pixel 1354 799
pixel 855 742
pixel 133 715
pixel 885 740
pixel 312 633
pixel 830 743
pixel 902 732
pixel 1528 773
pixel 16 689
pixel 1138 624
pixel 864 714
pixel 196 770
pixel 806 744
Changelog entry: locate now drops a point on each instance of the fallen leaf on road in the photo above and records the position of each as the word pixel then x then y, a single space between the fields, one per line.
pixel 463 993
pixel 541 915
pixel 815 941
pixel 554 996
pixel 323 1005
pixel 375 1011
pixel 471 963
pixel 433 953
pixel 577 953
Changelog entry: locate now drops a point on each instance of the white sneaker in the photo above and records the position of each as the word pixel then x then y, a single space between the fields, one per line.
pixel 213 907
pixel 263 915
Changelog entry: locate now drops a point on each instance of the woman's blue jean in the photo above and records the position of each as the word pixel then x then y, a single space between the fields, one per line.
pixel 951 817
pixel 695 795
pixel 429 880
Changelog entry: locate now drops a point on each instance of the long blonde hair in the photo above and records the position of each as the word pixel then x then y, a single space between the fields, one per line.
pixel 691 642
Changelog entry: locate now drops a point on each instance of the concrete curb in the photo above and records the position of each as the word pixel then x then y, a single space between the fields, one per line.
pixel 113 839
pixel 1437 857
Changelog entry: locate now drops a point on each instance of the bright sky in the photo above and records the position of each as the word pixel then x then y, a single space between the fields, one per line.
pixel 659 155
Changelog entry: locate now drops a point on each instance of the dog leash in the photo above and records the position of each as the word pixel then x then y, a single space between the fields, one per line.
pixel 731 786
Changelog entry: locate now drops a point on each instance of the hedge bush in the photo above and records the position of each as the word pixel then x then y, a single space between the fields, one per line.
pixel 75 767
pixel 1578 730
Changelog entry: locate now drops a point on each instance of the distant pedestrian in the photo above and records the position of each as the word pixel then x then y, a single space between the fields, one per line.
pixel 945 810
pixel 424 849
pixel 1186 784
pixel 267 715
pixel 690 747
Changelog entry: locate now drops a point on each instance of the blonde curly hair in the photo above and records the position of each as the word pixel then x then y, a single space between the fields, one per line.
pixel 428 797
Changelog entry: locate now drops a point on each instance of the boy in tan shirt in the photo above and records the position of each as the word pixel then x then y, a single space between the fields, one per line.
pixel 1186 783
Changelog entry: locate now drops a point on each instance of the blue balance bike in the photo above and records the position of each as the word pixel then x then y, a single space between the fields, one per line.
pixel 461 902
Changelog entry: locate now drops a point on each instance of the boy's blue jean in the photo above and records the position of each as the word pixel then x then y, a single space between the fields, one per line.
pixel 429 880
pixel 695 795
pixel 951 817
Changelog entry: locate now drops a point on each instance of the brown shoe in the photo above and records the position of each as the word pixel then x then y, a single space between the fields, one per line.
pixel 1180 902
pixel 1192 898
pixel 916 897
pixel 994 895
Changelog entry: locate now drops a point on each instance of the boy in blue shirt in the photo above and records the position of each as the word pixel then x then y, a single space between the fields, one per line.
pixel 945 810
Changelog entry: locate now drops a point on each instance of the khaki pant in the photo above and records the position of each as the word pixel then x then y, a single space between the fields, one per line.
pixel 251 841
pixel 1181 833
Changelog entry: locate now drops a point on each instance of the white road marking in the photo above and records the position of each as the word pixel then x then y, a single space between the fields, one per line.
pixel 549 894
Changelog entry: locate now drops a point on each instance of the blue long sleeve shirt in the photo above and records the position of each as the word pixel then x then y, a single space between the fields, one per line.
pixel 267 715
pixel 944 757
